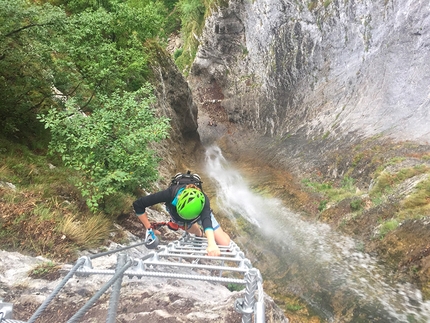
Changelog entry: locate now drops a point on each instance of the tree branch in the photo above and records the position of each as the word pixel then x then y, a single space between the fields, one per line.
pixel 28 26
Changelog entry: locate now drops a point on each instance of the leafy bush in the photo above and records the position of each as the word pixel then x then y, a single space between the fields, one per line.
pixel 47 55
pixel 26 81
pixel 109 146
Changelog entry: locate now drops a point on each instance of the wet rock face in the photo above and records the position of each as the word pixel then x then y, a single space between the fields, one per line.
pixel 342 69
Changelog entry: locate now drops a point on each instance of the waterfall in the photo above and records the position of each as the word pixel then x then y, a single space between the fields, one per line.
pixel 328 268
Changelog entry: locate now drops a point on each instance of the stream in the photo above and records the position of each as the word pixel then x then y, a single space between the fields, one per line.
pixel 326 270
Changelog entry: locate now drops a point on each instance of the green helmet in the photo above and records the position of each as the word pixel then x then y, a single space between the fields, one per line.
pixel 190 203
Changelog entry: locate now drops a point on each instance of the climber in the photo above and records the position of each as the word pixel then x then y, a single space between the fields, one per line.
pixel 189 207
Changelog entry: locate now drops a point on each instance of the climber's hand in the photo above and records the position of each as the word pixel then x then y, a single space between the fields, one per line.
pixel 213 250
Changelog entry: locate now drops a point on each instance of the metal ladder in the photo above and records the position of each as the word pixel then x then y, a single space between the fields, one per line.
pixel 188 253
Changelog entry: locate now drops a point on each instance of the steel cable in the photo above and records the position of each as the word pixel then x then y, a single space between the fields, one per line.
pixel 42 307
pixel 99 293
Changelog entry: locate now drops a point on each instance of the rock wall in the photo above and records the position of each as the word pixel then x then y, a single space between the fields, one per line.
pixel 317 75
pixel 182 149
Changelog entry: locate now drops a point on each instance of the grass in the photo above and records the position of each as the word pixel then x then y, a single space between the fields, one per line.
pixel 388 226
pixel 293 307
pixel 43 212
pixel 44 270
pixel 89 232
pixel 410 186
pixel 193 17
pixel 387 180
pixel 312 5
pixel 327 3
pixel 330 192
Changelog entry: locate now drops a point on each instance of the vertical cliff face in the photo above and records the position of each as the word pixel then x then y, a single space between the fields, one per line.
pixel 174 100
pixel 329 90
pixel 341 70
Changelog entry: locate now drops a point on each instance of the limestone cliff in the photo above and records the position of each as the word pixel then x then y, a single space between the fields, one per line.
pixel 317 75
pixel 326 91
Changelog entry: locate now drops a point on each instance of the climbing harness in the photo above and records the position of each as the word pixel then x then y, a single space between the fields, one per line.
pixel 170 224
pixel 189 253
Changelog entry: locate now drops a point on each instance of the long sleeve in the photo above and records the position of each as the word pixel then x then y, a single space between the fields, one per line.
pixel 143 202
pixel 205 216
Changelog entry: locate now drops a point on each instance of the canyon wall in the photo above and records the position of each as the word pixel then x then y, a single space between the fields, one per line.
pixel 313 77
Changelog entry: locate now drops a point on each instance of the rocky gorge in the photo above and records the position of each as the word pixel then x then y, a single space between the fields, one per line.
pixel 304 92
pixel 297 93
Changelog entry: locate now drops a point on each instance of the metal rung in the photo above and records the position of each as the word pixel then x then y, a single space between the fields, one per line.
pixel 187 252
pixel 198 256
pixel 197 266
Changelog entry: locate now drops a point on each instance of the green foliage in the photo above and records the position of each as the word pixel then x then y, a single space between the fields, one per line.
pixel 170 4
pixel 420 196
pixel 109 146
pixel 348 183
pixel 326 3
pixel 25 81
pixel 47 55
pixel 293 307
pixel 117 203
pixel 416 205
pixel 388 226
pixel 312 5
pixel 178 53
pixel 387 180
pixel 315 186
pixel 356 204
pixel 323 205
pixel 76 6
pixel 104 51
pixel 44 269
pixel 192 13
pixel 232 287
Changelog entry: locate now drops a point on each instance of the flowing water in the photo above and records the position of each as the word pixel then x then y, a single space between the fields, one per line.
pixel 309 260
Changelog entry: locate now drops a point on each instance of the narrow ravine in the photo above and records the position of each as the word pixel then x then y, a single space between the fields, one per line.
pixel 309 260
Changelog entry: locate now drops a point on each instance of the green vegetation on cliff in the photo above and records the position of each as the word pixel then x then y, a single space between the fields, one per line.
pixel 78 121
pixel 77 117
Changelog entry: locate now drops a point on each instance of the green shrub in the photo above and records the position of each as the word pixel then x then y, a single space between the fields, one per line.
pixel 232 287
pixel 323 205
pixel 178 53
pixel 110 146
pixel 387 227
pixel 356 204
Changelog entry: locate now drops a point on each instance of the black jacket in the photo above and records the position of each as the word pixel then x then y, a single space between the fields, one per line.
pixel 167 196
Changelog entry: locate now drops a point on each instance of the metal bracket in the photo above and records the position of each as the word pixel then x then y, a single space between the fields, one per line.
pixel 6 310
pixel 87 265
pixel 137 268
pixel 238 306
